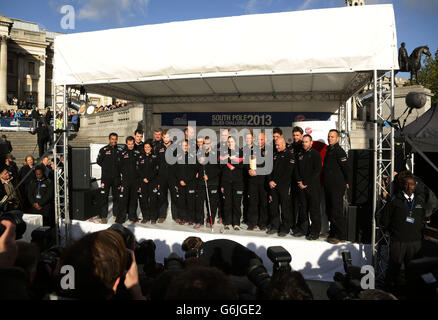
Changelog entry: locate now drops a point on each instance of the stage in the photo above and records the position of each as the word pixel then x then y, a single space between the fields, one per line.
pixel 316 260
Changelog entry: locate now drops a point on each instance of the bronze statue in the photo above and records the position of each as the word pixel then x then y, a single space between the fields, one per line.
pixel 412 63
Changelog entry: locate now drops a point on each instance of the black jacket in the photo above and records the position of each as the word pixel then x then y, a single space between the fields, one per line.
pixel 139 147
pixel 335 170
pixel 212 170
pixel 187 172
pixel 147 167
pixel 284 165
pixel 309 164
pixel 45 191
pixel 233 170
pixel 166 171
pixel 108 160
pixel 128 166
pixel 394 218
pixel 157 146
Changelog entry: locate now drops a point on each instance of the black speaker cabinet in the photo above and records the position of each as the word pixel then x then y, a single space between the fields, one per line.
pixel 351 219
pixel 85 204
pixel 361 164
pixel 80 168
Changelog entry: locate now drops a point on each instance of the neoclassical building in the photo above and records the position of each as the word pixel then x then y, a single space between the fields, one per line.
pixel 26 69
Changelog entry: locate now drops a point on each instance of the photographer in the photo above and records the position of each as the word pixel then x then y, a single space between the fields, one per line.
pixel 12 279
pixel 99 260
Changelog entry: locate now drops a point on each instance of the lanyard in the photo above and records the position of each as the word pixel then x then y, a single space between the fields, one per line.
pixel 412 206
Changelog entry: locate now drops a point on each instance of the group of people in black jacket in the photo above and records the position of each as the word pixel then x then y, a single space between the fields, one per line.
pixel 284 200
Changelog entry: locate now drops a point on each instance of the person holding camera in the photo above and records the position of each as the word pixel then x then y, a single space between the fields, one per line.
pixel 403 218
pixel 9 198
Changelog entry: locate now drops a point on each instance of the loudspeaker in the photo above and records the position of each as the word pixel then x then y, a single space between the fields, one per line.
pixel 361 194
pixel 80 168
pixel 351 223
pixel 361 166
pixel 85 204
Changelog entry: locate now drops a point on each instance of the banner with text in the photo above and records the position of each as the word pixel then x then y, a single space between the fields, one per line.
pixel 241 119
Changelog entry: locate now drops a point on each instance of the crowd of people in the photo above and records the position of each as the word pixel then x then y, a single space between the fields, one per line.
pixel 110 107
pixel 283 201
pixel 21 104
pixel 112 265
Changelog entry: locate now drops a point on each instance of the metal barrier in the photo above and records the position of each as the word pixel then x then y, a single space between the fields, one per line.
pixel 15 124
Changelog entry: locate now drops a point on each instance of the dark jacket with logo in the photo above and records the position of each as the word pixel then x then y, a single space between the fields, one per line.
pixel 108 160
pixel 232 171
pixel 128 166
pixel 258 179
pixel 284 166
pixel 308 167
pixel 394 219
pixel 335 169
pixel 212 170
pixel 148 167
pixel 41 192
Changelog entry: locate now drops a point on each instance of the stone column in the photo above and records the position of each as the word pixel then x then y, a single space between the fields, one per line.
pixel 42 83
pixel 3 71
pixel 21 80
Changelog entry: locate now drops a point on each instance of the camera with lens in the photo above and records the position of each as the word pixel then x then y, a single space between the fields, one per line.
pixel 346 286
pixel 173 263
pixel 281 259
pixel 16 217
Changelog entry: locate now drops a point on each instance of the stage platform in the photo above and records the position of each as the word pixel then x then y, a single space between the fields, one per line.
pixel 316 260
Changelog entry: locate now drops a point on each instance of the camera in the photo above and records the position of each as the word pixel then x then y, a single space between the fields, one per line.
pixel 16 217
pixel 174 262
pixel 346 286
pixel 281 259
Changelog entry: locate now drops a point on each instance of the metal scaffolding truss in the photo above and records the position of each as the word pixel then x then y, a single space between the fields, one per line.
pixel 60 153
pixel 383 166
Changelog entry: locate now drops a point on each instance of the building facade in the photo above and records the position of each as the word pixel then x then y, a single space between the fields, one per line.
pixel 26 63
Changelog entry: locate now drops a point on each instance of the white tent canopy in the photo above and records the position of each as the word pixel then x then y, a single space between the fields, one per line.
pixel 326 53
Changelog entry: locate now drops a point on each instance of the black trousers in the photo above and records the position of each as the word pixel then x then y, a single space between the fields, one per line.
pixel 310 207
pixel 399 253
pixel 149 200
pixel 201 200
pixel 186 202
pixel 245 200
pixel 295 202
pixel 167 186
pixel 47 213
pixel 42 147
pixel 128 201
pixel 279 208
pixel 232 194
pixel 334 208
pixel 258 205
pixel 107 185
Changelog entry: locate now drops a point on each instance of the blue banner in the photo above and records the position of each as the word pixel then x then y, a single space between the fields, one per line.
pixel 241 119
pixel 15 123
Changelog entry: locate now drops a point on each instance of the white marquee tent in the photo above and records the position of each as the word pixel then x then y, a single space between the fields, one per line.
pixel 326 54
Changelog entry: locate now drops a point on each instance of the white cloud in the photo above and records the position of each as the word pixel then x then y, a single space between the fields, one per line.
pixel 306 4
pixel 113 11
pixel 254 6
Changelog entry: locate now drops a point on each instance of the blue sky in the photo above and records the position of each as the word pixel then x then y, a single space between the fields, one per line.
pixel 417 20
